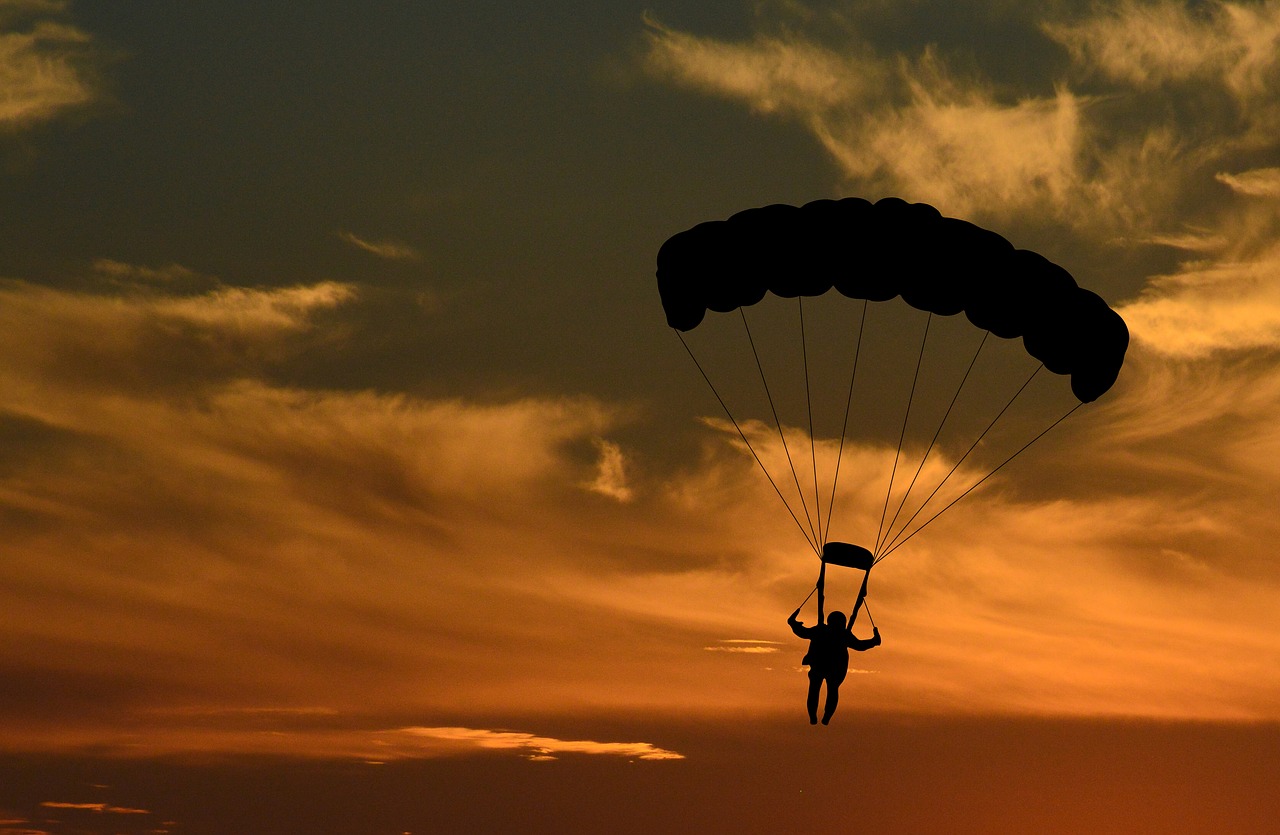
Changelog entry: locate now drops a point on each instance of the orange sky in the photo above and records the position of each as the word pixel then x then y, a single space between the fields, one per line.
pixel 339 423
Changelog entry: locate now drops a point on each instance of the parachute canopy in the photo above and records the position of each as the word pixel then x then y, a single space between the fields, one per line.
pixel 893 248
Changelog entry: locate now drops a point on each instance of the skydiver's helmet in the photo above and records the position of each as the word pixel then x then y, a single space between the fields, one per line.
pixel 836 619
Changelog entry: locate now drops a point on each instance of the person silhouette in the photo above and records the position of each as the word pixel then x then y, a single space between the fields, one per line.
pixel 829 645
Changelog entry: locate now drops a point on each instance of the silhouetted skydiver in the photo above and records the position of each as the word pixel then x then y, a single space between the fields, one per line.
pixel 829 645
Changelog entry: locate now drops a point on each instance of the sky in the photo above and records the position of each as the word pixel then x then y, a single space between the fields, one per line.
pixel 352 481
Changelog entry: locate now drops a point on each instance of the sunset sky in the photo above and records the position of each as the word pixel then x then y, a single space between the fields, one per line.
pixel 352 481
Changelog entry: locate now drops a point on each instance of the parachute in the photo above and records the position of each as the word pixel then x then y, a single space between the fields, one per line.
pixel 873 253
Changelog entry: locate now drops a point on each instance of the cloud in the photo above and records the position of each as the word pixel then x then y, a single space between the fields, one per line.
pixel 218 490
pixel 1150 44
pixel 1209 72
pixel 331 741
pixel 1207 307
pixel 1192 241
pixel 101 808
pixel 155 337
pixel 611 476
pixel 137 274
pixel 744 647
pixel 43 66
pixel 912 126
pixel 388 250
pixel 1147 44
pixel 236 309
pixel 1259 182
pixel 770 74
pixel 536 747
pixel 1127 160
pixel 970 152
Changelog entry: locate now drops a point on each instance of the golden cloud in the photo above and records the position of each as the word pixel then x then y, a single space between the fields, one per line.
pixel 912 125
pixel 154 339
pixel 769 74
pixel 101 808
pixel 1258 182
pixel 1207 307
pixel 41 67
pixel 1148 44
pixel 611 475
pixel 539 747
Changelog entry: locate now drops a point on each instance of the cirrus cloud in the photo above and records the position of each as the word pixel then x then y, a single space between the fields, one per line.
pixel 44 64
pixel 1150 44
pixel 1207 307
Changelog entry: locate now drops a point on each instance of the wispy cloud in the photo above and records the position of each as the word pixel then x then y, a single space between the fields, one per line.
pixel 136 273
pixel 535 747
pixel 1151 44
pixel 1222 305
pixel 771 74
pixel 911 125
pixel 43 64
pixel 102 808
pixel 156 337
pixel 329 740
pixel 745 646
pixel 611 475
pixel 256 310
pixel 387 249
pixel 1113 162
pixel 1258 182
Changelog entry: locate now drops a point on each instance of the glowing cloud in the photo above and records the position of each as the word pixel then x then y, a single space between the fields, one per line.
pixel 1152 44
pixel 1232 305
pixel 770 74
pixel 611 478
pixel 536 747
pixel 909 123
pixel 103 808
pixel 40 67
pixel 744 646
pixel 1259 182
pixel 1111 164
pixel 155 337
pixel 257 310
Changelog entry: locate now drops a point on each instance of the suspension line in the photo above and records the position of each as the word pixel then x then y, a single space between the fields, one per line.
pixel 936 434
pixel 978 482
pixel 808 399
pixel 967 452
pixel 902 436
pixel 848 404
pixel 817 549
pixel 781 435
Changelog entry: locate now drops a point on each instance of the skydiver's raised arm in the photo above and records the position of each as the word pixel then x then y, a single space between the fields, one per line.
pixel 797 627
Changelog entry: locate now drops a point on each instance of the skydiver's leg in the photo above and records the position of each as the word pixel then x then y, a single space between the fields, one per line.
pixel 815 683
pixel 833 698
